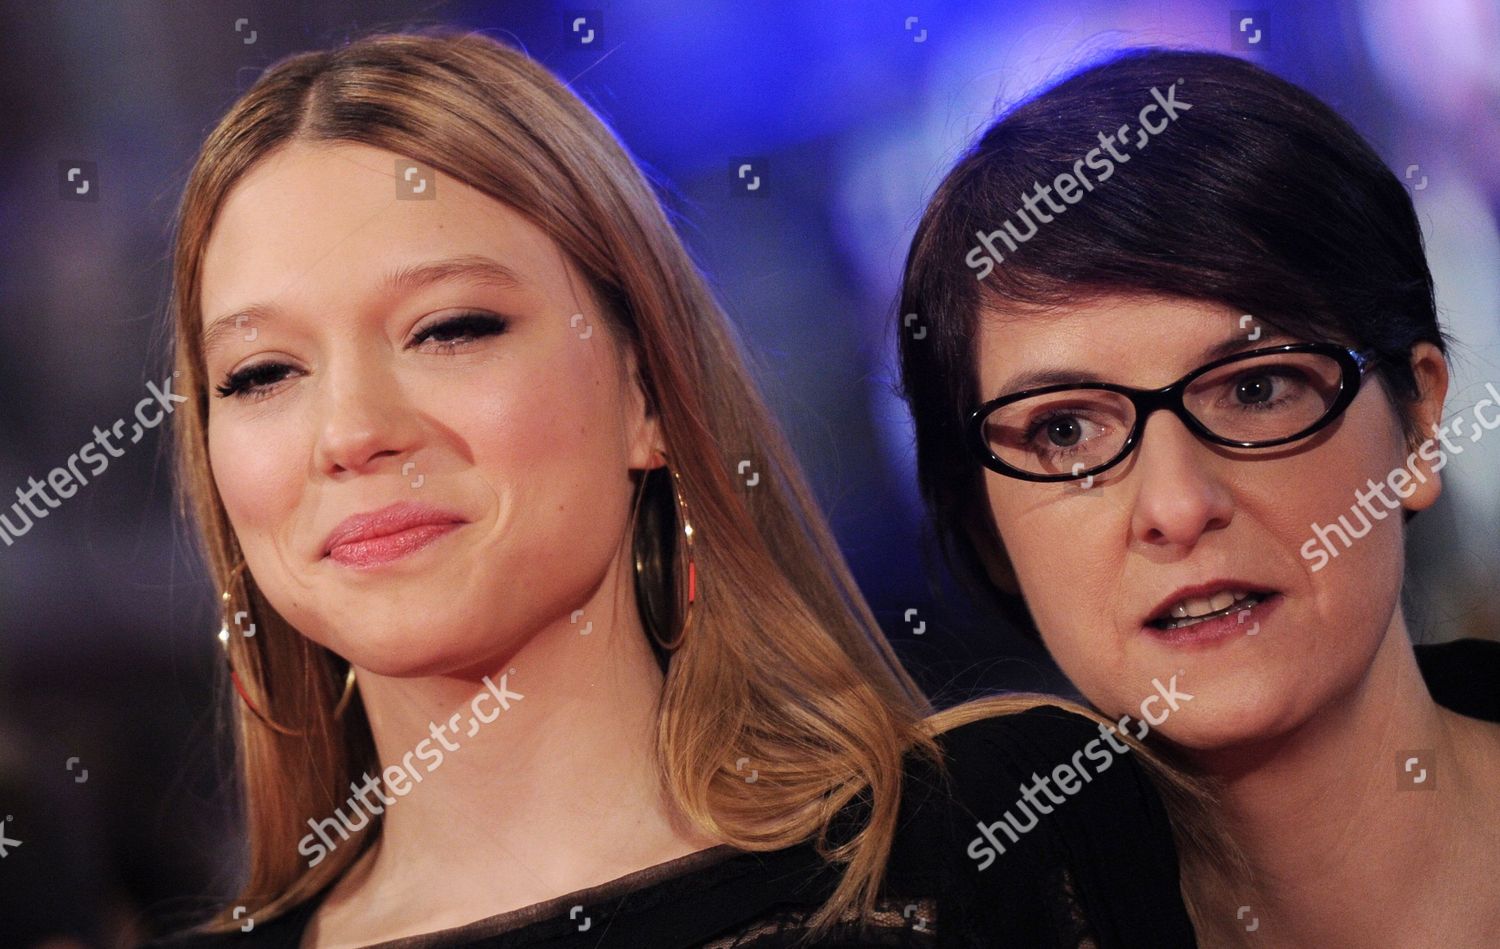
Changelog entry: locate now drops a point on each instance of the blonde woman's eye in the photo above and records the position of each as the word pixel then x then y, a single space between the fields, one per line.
pixel 452 332
pixel 253 382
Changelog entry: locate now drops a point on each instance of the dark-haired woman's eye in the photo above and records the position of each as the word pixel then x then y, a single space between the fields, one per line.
pixel 1266 390
pixel 1059 434
pixel 451 333
pixel 253 382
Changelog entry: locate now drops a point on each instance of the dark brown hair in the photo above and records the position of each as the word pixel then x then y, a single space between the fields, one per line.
pixel 1258 196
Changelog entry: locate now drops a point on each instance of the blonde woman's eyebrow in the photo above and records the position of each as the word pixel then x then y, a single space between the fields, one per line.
pixel 472 268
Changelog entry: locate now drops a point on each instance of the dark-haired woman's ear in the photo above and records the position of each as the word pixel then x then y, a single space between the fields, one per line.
pixel 1428 455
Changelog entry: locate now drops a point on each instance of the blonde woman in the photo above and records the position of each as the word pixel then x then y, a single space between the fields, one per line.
pixel 515 654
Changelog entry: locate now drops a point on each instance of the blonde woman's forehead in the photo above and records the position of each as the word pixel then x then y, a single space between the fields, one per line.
pixel 324 227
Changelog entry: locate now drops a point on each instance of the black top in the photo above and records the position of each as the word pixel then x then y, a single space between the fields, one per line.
pixel 1098 870
pixel 1464 676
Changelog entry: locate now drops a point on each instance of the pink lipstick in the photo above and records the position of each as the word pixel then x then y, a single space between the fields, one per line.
pixel 380 537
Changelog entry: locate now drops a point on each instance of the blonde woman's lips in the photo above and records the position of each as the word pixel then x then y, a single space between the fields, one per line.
pixel 389 534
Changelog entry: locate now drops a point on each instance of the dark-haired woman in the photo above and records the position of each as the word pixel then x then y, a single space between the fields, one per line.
pixel 1181 387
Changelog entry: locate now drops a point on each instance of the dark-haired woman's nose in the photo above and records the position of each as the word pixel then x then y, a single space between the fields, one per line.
pixel 1180 488
pixel 362 417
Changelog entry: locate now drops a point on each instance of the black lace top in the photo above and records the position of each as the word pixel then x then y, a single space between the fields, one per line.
pixel 1089 862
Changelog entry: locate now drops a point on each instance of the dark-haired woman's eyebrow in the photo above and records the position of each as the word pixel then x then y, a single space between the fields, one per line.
pixel 1036 378
pixel 1252 336
pixel 1057 375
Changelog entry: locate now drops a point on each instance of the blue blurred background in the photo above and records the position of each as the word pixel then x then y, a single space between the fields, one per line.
pixel 850 112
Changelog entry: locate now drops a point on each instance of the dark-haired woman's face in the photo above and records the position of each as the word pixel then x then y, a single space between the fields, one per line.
pixel 1099 565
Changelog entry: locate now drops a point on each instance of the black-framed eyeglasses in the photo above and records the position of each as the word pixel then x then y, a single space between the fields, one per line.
pixel 1256 399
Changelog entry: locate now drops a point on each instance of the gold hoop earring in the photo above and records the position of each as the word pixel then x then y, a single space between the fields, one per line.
pixel 234 676
pixel 665 562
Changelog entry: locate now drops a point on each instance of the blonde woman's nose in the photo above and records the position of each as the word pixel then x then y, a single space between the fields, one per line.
pixel 363 416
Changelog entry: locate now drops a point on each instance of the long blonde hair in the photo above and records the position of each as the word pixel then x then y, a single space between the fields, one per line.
pixel 784 663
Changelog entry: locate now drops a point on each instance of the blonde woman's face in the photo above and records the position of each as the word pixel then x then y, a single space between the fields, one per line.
pixel 1095 564
pixel 491 409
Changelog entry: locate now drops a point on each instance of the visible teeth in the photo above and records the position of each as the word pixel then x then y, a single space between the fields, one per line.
pixel 1203 605
pixel 1193 610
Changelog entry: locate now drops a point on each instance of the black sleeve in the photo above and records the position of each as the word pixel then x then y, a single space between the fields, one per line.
pixel 1090 864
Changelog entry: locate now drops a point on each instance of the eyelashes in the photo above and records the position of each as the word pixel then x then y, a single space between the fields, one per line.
pixel 255 382
pixel 472 325
pixel 252 379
